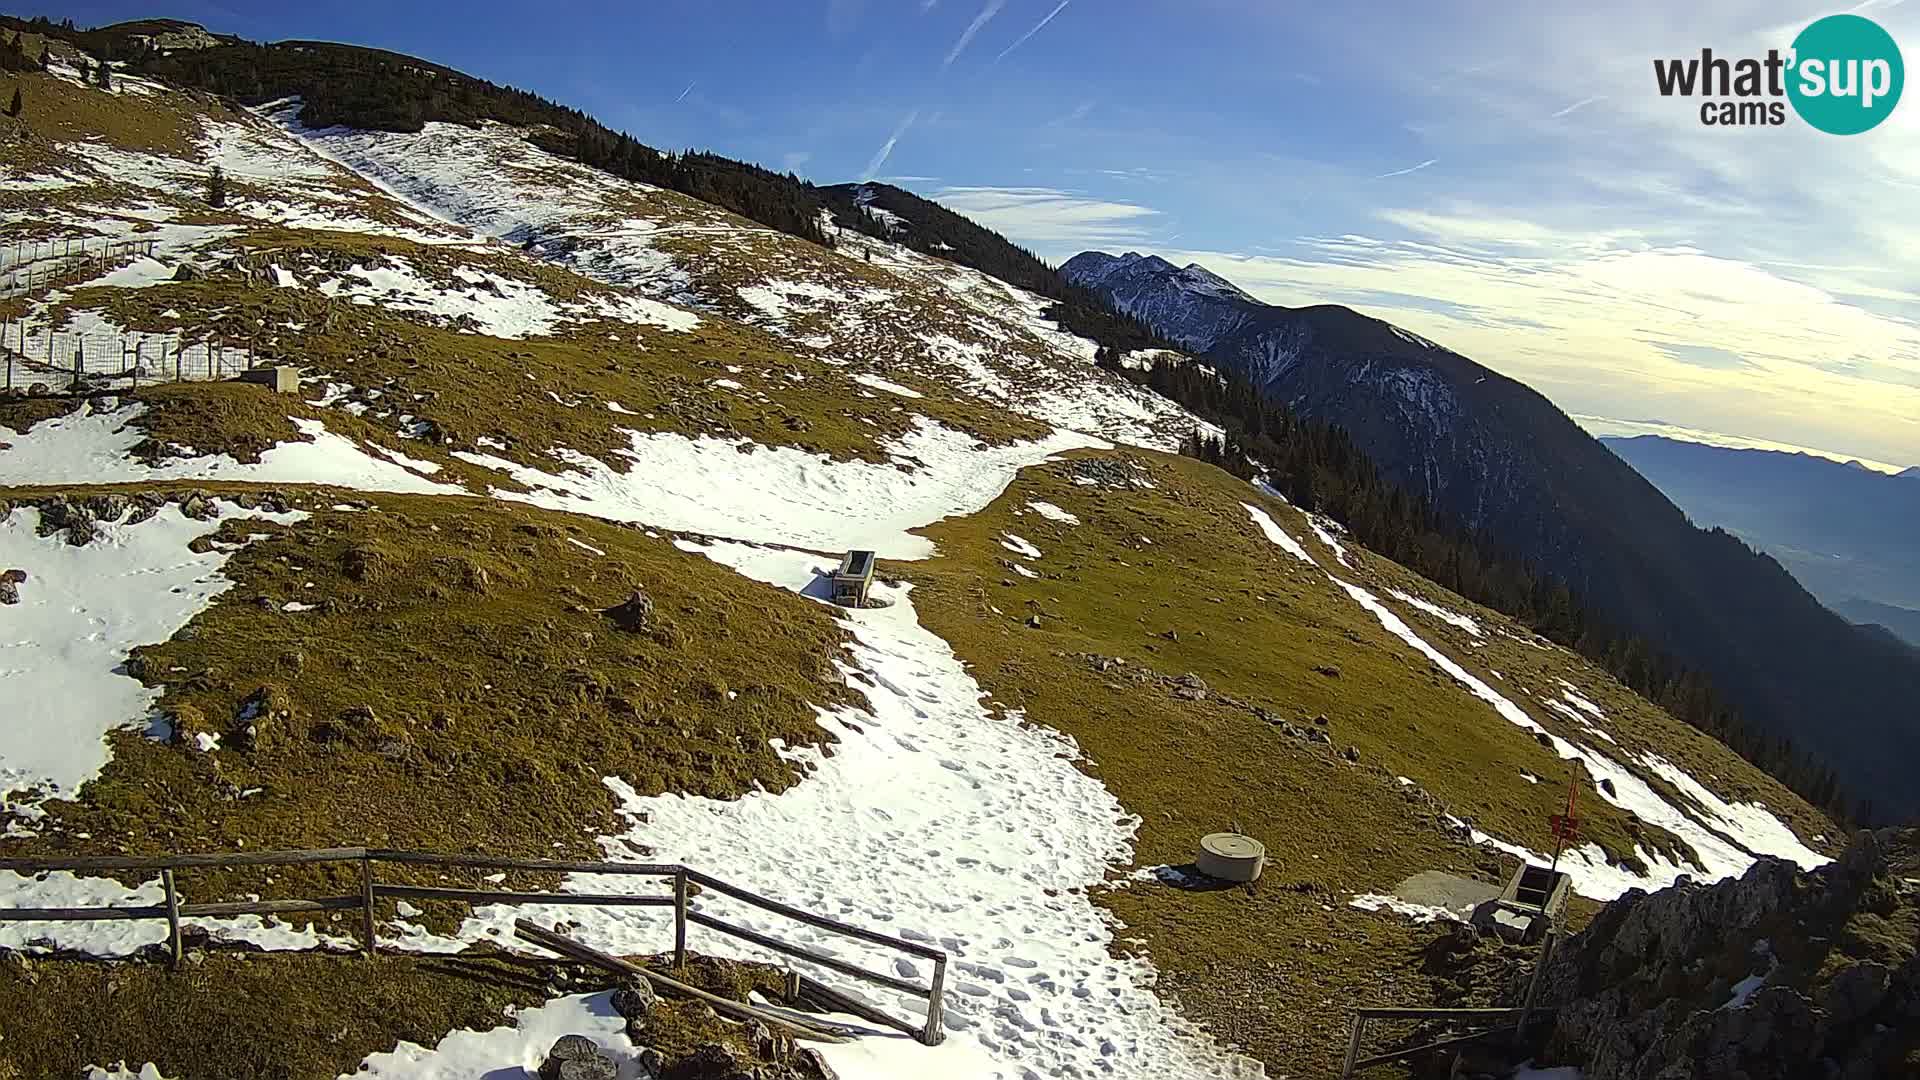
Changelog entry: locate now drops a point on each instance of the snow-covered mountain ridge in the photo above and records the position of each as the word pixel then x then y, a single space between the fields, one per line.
pixel 529 389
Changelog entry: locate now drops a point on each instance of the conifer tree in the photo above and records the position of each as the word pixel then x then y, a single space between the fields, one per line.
pixel 217 187
pixel 103 76
pixel 13 107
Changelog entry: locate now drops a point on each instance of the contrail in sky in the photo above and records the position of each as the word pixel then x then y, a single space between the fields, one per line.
pixel 1576 105
pixel 1409 169
pixel 886 149
pixel 966 36
pixel 1037 27
pixel 684 93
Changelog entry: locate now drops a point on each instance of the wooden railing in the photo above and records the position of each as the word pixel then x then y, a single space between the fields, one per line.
pixel 174 907
pixel 1521 1016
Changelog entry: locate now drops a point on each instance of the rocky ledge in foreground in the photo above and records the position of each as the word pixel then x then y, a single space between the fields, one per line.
pixel 1778 974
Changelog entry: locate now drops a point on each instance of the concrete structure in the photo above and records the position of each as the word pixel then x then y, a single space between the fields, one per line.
pixel 1231 857
pixel 1529 905
pixel 853 579
pixel 281 380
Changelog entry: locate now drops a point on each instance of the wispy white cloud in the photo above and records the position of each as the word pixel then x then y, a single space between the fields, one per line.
pixel 1051 217
pixel 986 15
pixel 1037 27
pixel 1408 169
pixel 927 5
pixel 793 160
pixel 1593 320
pixel 908 179
pixel 1078 114
pixel 881 155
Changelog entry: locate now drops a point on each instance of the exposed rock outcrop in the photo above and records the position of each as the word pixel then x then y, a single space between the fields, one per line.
pixel 1777 975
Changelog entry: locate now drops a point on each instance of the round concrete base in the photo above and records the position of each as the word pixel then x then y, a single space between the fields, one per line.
pixel 1231 857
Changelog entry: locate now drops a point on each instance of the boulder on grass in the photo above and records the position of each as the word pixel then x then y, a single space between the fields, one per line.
pixel 576 1057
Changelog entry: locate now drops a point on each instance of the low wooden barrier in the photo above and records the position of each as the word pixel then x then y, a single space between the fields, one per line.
pixel 174 908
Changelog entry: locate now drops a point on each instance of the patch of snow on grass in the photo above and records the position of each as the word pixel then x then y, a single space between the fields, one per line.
pixel 514 1050
pixel 1276 535
pixel 1052 513
pixel 81 609
pixel 95 448
pixel 785 495
pixel 584 546
pixel 137 274
pixel 879 383
pixel 1019 545
pixel 1451 618
pixel 1419 913
pixel 1325 536
pixel 1748 823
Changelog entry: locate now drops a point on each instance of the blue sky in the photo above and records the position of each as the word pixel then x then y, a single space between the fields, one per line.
pixel 1501 178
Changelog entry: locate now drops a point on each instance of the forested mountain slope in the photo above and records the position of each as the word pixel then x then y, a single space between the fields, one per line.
pixel 1844 531
pixel 1510 465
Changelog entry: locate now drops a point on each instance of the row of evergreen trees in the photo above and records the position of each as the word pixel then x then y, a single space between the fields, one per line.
pixel 1318 467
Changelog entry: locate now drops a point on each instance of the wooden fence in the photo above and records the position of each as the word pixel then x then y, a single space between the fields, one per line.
pixel 1520 1015
pixel 76 361
pixel 174 907
pixel 29 265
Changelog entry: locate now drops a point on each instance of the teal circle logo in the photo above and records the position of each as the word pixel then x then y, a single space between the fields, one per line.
pixel 1847 74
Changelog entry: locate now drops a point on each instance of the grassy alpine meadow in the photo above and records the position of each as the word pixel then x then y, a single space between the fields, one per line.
pixel 437 674
pixel 1155 584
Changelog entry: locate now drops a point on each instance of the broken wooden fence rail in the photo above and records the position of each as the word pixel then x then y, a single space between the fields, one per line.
pixel 371 891
pixel 1521 1014
pixel 566 946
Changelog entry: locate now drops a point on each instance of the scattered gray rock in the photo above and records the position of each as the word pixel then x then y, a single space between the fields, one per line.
pixel 809 1063
pixel 634 614
pixel 199 506
pixel 576 1057
pixel 637 998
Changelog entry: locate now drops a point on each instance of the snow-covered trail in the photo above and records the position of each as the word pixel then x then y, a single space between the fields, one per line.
pixel 937 821
pixel 1726 843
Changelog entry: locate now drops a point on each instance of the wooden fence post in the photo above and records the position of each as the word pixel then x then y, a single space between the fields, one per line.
pixel 1353 1045
pixel 936 1005
pixel 366 904
pixel 679 918
pixel 174 945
